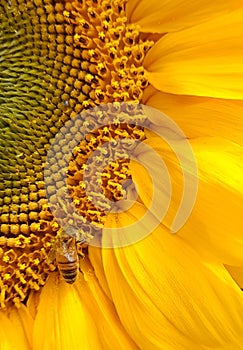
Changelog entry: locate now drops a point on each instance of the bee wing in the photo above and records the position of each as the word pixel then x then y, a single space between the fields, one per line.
pixel 51 256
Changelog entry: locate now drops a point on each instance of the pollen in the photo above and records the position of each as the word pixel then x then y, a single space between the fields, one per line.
pixel 59 58
pixel 109 182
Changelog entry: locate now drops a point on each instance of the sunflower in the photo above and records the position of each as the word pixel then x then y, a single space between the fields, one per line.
pixel 130 59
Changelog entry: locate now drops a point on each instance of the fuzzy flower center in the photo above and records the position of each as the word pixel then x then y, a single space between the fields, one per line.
pixel 57 59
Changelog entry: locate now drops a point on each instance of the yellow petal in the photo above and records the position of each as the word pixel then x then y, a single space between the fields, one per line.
pixel 200 116
pixel 216 217
pixel 171 15
pixel 215 222
pixel 204 60
pixel 111 332
pixel 63 321
pixel 96 261
pixel 166 297
pixel 32 303
pixel 180 185
pixel 16 329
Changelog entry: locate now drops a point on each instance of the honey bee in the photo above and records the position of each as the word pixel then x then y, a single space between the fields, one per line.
pixel 65 252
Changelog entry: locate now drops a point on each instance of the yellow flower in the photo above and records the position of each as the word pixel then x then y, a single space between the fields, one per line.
pixel 59 59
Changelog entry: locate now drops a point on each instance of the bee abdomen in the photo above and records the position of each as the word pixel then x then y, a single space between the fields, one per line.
pixel 69 271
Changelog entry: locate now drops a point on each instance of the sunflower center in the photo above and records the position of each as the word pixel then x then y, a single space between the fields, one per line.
pixel 106 176
pixel 57 59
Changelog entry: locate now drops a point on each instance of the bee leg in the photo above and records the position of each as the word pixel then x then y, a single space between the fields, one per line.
pixel 81 257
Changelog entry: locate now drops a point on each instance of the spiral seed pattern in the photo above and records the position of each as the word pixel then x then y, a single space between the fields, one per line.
pixel 57 59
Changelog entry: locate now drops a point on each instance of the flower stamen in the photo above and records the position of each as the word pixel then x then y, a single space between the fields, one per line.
pixel 57 60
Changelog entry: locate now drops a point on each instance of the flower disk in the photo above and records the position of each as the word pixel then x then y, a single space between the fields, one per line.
pixel 57 58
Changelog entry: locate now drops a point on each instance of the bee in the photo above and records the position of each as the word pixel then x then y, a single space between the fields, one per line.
pixel 67 258
pixel 65 253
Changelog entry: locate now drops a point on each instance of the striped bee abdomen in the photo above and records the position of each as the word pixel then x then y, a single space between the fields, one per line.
pixel 68 270
pixel 67 257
